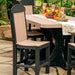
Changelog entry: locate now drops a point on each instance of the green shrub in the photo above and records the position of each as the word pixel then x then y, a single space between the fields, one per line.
pixel 7 5
pixel 73 13
pixel 37 10
pixel 67 11
pixel 2 1
pixel 4 22
pixel 4 10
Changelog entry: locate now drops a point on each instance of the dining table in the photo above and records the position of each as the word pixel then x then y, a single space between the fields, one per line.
pixel 58 30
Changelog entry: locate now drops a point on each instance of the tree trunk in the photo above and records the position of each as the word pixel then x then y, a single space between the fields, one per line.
pixel 4 12
pixel 0 10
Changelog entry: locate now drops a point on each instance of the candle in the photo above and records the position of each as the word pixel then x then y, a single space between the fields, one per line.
pixel 62 10
pixel 44 6
pixel 53 7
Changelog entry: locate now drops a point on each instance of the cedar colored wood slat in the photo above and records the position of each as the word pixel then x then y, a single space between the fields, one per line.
pixel 32 43
pixel 33 28
pixel 28 4
pixel 42 23
pixel 21 33
pixel 36 33
pixel 29 9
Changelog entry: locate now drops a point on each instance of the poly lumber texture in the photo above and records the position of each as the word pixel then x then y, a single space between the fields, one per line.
pixel 20 27
pixel 32 43
pixel 42 23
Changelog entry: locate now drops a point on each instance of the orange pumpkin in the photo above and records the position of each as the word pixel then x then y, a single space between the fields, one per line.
pixel 41 13
pixel 65 19
pixel 48 16
pixel 56 17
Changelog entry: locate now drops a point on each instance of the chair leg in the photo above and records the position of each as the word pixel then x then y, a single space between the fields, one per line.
pixel 21 54
pixel 37 61
pixel 14 61
pixel 26 59
pixel 47 58
pixel 37 71
pixel 69 72
pixel 21 58
pixel 34 38
pixel 69 61
pixel 42 38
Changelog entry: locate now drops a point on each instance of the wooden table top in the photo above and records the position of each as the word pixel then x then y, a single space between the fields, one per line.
pixel 42 23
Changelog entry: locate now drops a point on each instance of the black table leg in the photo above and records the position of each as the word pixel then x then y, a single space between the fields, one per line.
pixel 67 40
pixel 48 37
pixel 56 58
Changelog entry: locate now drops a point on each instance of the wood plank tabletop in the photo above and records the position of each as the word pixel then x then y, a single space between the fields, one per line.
pixel 42 23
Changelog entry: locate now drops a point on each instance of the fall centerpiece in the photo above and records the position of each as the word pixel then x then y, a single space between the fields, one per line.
pixel 53 12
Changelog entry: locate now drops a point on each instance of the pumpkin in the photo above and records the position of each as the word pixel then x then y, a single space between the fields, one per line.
pixel 56 17
pixel 41 13
pixel 61 19
pixel 48 15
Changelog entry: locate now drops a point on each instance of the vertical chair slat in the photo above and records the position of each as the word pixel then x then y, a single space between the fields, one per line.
pixel 19 19
pixel 29 9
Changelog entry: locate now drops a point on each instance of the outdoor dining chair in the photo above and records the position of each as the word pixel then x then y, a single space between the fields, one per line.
pixel 33 31
pixel 70 57
pixel 19 35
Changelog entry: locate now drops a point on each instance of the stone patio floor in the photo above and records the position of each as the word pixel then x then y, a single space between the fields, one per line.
pixel 6 58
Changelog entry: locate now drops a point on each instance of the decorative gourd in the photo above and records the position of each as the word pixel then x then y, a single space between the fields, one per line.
pixel 62 19
pixel 48 15
pixel 56 17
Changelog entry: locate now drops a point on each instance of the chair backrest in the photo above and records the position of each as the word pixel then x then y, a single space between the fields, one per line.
pixel 29 6
pixel 18 23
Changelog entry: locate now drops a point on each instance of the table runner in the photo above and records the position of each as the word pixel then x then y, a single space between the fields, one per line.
pixel 67 27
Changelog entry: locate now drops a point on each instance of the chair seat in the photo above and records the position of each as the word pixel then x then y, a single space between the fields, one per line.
pixel 35 33
pixel 30 43
pixel 33 28
pixel 72 32
pixel 72 45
